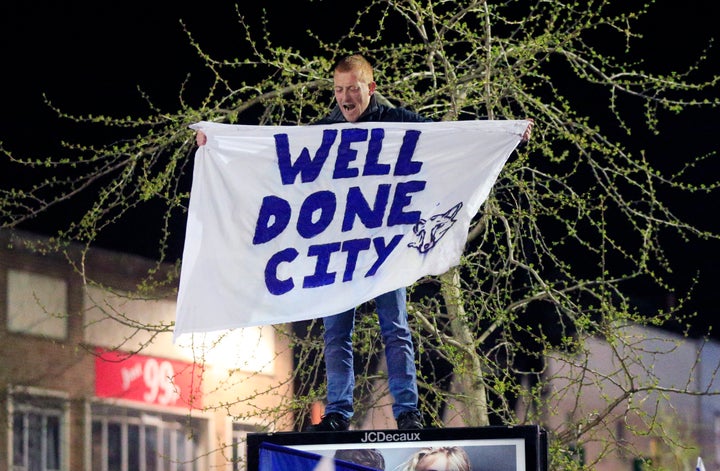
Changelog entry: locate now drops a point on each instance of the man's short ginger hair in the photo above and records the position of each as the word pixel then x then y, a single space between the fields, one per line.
pixel 355 62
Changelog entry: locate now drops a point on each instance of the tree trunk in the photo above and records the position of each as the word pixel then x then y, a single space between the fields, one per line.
pixel 468 370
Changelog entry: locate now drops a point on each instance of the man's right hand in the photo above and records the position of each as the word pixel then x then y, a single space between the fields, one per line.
pixel 200 138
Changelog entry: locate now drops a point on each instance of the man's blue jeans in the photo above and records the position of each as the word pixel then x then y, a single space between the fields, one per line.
pixel 399 355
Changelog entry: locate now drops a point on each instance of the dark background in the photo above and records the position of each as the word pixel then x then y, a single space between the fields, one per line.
pixel 90 57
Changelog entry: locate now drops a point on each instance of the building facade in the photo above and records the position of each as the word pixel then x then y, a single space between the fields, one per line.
pixel 653 397
pixel 91 380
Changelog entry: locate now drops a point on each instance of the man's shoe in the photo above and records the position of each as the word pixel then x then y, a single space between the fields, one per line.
pixel 409 420
pixel 332 422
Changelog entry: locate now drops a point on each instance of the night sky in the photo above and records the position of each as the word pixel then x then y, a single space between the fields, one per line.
pixel 89 57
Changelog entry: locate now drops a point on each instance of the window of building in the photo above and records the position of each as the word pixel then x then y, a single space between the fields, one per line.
pixel 37 433
pixel 130 440
pixel 37 304
pixel 239 444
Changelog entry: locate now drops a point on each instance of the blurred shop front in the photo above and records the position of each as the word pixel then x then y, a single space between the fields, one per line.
pixel 91 380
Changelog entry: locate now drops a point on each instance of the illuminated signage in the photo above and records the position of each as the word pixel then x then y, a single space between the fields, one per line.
pixel 150 380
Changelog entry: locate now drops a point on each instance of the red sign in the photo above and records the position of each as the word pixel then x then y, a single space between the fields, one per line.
pixel 150 380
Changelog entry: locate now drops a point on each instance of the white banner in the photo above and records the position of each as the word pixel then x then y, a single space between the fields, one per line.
pixel 289 223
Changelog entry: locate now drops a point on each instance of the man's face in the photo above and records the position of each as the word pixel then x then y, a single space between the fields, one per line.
pixel 352 94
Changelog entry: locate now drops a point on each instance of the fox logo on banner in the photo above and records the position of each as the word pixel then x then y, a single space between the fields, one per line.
pixel 288 223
